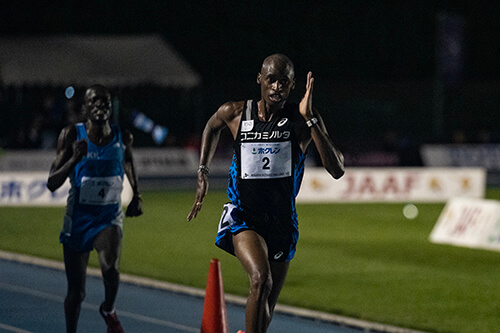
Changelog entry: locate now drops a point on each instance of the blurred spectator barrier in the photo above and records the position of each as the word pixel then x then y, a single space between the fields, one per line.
pixel 470 223
pixel 392 185
pixel 150 162
pixel 465 155
pixel 158 168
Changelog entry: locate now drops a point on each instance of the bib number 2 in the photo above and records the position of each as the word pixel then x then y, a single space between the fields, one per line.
pixel 265 160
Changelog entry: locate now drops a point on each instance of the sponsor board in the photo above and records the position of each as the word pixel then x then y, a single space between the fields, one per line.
pixel 469 222
pixel 30 189
pixel 392 185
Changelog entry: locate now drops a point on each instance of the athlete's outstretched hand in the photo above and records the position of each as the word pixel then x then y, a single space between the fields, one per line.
pixel 201 191
pixel 305 106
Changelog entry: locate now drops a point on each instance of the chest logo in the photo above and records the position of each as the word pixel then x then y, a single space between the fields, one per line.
pixel 247 125
pixel 282 122
pixel 92 155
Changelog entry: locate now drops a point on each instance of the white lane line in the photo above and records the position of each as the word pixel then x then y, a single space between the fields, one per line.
pixel 60 299
pixel 13 329
pixel 366 326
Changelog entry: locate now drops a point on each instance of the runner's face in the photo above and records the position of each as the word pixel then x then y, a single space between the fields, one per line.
pixel 276 81
pixel 98 105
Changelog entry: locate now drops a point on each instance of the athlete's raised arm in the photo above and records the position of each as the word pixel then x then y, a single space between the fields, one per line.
pixel 69 153
pixel 331 157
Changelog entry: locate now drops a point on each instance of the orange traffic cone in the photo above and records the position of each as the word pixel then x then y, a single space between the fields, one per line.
pixel 214 309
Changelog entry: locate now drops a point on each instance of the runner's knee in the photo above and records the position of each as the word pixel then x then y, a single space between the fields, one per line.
pixel 109 262
pixel 110 269
pixel 261 281
pixel 75 296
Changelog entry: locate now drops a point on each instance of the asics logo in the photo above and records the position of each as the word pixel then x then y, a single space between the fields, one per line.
pixel 246 125
pixel 282 122
pixel 278 255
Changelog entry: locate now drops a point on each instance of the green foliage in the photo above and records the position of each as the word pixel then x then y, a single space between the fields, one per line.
pixel 361 260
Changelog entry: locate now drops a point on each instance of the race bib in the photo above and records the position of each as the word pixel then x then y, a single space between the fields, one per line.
pixel 266 160
pixel 101 190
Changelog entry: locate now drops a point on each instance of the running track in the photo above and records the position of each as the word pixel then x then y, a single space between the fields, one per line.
pixel 32 295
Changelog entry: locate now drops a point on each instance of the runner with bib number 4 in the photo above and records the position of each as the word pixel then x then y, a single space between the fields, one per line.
pixel 95 157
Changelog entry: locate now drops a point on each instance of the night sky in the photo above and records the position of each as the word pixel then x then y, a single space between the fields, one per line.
pixel 343 40
pixel 375 61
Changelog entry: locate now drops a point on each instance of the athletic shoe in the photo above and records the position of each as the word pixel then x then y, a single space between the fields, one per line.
pixel 112 321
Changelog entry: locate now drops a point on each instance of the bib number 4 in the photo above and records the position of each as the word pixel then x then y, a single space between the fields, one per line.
pixel 101 190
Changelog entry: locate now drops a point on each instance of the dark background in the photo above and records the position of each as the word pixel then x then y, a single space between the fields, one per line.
pixel 381 80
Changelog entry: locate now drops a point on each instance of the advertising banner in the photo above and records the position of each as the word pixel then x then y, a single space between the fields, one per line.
pixel 392 185
pixel 469 222
pixel 30 189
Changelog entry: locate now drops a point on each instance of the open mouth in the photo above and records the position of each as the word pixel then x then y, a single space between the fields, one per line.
pixel 99 114
pixel 275 97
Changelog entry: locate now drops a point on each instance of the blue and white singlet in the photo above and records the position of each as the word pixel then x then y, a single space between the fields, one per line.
pixel 94 200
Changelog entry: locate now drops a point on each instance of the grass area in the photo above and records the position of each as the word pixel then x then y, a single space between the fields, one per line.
pixel 360 260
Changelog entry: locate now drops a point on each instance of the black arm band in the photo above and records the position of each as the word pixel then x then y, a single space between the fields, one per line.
pixel 311 122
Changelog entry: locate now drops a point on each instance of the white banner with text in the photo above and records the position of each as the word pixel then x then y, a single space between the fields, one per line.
pixel 30 189
pixel 392 185
pixel 469 222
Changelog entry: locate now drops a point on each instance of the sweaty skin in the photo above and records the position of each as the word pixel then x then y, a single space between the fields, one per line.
pixel 276 79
